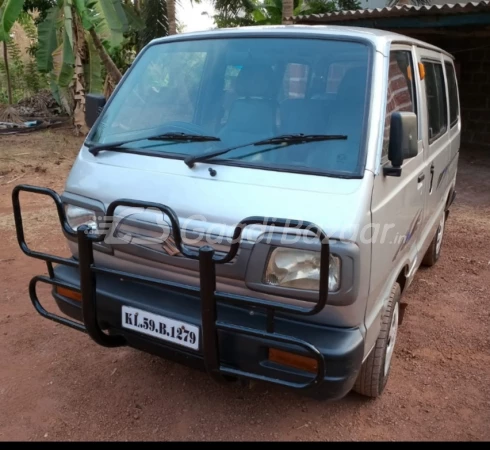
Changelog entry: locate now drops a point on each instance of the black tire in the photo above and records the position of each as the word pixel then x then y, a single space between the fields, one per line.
pixel 433 253
pixel 373 377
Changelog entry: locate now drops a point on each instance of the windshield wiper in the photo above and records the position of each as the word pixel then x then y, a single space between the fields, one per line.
pixel 183 137
pixel 289 139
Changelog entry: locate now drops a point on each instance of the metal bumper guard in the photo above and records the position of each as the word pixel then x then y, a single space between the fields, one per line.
pixel 207 290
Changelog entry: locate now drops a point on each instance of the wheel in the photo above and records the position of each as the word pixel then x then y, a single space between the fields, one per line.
pixel 375 370
pixel 434 251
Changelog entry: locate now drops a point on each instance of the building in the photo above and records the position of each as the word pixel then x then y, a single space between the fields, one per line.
pixel 463 29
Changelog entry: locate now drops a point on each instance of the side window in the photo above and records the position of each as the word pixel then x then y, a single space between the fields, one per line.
pixel 401 90
pixel 295 81
pixel 435 92
pixel 452 88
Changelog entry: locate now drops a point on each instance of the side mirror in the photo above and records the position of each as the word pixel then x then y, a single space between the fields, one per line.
pixel 403 141
pixel 94 103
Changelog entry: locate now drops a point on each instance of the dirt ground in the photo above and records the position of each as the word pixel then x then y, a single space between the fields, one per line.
pixel 56 384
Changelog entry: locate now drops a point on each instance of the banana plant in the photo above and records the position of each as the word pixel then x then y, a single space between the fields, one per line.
pixel 102 22
pixel 9 13
pixel 74 40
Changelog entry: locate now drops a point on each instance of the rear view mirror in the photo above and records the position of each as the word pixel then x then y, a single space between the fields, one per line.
pixel 94 104
pixel 403 141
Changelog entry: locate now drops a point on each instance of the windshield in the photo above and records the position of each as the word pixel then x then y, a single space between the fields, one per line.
pixel 242 90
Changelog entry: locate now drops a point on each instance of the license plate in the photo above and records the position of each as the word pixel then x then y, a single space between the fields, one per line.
pixel 161 327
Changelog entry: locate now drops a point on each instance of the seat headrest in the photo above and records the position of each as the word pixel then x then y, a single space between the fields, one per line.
pixel 352 84
pixel 254 80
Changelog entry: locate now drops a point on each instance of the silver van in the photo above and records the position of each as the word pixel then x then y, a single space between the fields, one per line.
pixel 254 202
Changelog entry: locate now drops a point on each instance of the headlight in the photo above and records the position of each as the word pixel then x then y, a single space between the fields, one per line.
pixel 76 216
pixel 300 269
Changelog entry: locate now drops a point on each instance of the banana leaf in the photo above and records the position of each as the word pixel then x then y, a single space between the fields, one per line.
pixel 109 19
pixel 68 22
pixel 134 19
pixel 83 13
pixel 47 41
pixel 63 62
pixel 9 12
pixel 93 69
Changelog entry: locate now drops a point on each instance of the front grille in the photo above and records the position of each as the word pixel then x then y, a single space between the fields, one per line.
pixel 145 235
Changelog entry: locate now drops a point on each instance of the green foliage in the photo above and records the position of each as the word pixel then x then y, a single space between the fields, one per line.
pixel 9 12
pixel 269 12
pixel 108 18
pixel 64 56
pixel 25 78
pixel 47 41
pixel 41 6
pixel 154 16
pixel 93 68
pixel 234 13
pixel 349 5
pixel 57 49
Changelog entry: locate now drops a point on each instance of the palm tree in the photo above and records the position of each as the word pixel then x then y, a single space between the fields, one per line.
pixel 287 11
pixel 172 22
pixel 155 19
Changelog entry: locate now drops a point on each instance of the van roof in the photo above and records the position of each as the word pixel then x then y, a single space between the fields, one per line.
pixel 380 38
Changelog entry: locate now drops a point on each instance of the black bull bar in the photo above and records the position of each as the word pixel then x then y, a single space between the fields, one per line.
pixel 206 291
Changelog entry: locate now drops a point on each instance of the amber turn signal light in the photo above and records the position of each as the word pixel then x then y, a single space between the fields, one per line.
pixel 421 70
pixel 69 293
pixel 293 360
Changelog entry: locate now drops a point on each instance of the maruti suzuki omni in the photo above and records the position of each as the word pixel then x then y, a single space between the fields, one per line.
pixel 254 202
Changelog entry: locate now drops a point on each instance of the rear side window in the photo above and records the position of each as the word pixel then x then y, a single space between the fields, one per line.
pixel 453 94
pixel 401 90
pixel 435 92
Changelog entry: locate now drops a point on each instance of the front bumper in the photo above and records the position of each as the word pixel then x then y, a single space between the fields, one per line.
pixel 342 348
pixel 236 332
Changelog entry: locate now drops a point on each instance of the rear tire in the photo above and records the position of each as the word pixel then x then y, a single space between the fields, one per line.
pixel 434 251
pixel 375 370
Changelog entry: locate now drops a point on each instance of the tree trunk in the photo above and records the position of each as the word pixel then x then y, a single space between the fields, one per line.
pixel 7 73
pixel 111 68
pixel 79 78
pixel 287 11
pixel 172 24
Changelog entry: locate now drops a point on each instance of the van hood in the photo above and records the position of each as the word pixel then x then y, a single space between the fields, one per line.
pixel 222 200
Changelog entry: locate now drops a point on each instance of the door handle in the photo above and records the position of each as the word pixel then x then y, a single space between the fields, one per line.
pixel 432 169
pixel 421 178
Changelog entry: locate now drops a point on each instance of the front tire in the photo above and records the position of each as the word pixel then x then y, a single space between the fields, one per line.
pixel 375 370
